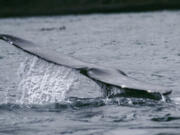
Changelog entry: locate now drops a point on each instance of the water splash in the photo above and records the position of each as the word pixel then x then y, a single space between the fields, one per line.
pixel 176 100
pixel 43 82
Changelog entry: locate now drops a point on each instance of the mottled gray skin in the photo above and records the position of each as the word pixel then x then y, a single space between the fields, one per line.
pixel 105 76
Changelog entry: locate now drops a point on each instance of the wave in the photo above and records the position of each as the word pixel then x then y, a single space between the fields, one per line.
pixel 74 103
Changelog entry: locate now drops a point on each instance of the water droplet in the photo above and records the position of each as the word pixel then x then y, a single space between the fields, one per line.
pixel 11 42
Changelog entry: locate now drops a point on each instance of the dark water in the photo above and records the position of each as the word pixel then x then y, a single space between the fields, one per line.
pixel 33 97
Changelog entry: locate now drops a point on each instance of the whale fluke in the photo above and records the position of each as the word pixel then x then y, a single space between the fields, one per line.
pixel 107 75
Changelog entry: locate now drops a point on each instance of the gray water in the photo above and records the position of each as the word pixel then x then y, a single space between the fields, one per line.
pixel 37 97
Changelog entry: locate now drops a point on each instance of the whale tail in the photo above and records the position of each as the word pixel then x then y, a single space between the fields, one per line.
pixel 105 75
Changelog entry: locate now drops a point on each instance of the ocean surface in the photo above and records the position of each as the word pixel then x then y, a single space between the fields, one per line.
pixel 38 97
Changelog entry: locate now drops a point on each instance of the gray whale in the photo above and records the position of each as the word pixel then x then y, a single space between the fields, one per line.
pixel 103 75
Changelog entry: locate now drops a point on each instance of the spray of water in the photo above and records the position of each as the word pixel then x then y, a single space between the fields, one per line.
pixel 42 82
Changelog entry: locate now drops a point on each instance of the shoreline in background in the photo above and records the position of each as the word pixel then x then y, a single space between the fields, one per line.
pixel 13 8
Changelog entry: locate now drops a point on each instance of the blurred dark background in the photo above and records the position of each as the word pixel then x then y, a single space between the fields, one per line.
pixel 10 8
